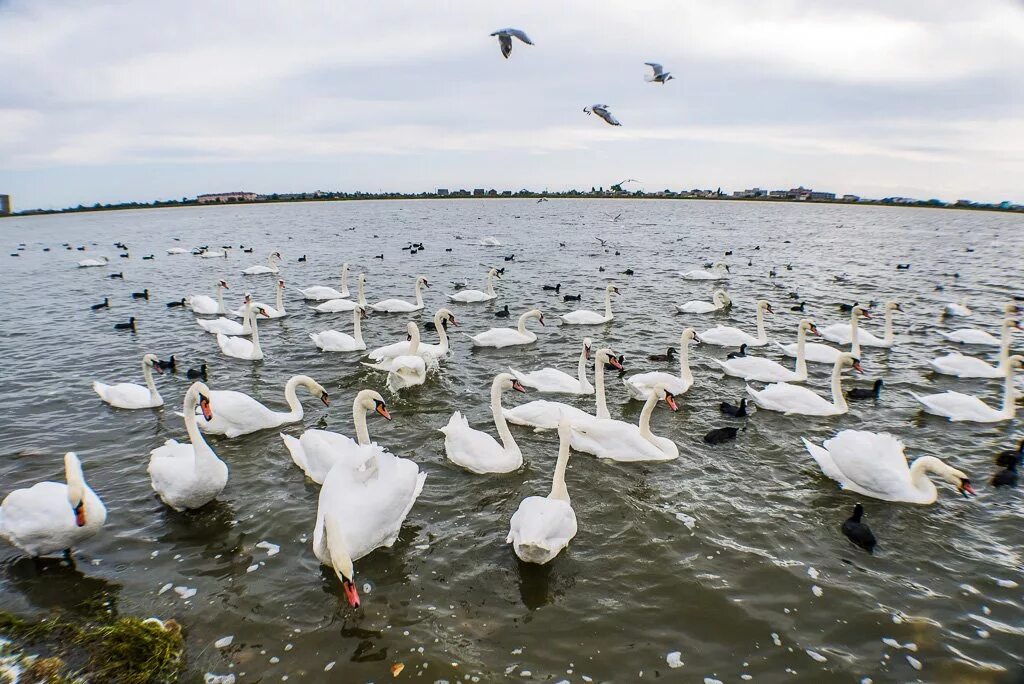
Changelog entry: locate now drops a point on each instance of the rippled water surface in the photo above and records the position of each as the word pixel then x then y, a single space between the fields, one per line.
pixel 730 554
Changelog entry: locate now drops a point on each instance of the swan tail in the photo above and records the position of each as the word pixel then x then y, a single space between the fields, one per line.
pixel 100 388
pixel 824 460
pixel 296 451
pixel 456 421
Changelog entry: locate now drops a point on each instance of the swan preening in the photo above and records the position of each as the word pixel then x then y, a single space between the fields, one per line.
pixel 239 414
pixel 841 333
pixel 270 268
pixel 963 407
pixel 587 317
pixel 719 300
pixel 544 525
pixel 400 305
pixel 765 370
pixel 188 475
pixel 334 341
pixel 473 296
pixel 822 353
pixel 509 337
pixel 544 415
pixel 728 336
pixel 343 304
pixel 641 385
pixel 874 465
pixel 477 451
pixel 718 271
pixel 323 293
pixel 790 399
pixel 431 353
pixel 361 509
pixel 128 395
pixel 554 381
pixel 51 517
pixel 206 305
pixel 315 452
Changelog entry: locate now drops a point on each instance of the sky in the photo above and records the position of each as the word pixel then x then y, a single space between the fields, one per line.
pixel 110 101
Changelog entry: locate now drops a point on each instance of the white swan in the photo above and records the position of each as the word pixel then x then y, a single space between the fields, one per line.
pixel 407 370
pixel 552 380
pixel 188 475
pixel 89 263
pixel 477 451
pixel 177 250
pixel 508 337
pixel 276 311
pixel 431 353
pixel 792 399
pixel 128 395
pixel 717 272
pixel 874 465
pixel 544 525
pixel 339 305
pixel 362 509
pixel 490 242
pixel 816 352
pixel 639 386
pixel 728 336
pixel 842 333
pixel 982 337
pixel 962 366
pixel 322 293
pixel 719 300
pixel 620 441
pixel 239 414
pixel 765 370
pixel 964 407
pixel 270 268
pixel 334 341
pixel 51 516
pixel 206 305
pixel 473 296
pixel 317 451
pixel 544 415
pixel 587 317
pixel 226 326
pixel 213 254
pixel 400 305
pixel 957 309
pixel 241 348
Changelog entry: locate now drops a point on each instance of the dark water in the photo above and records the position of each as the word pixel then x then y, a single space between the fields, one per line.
pixel 716 555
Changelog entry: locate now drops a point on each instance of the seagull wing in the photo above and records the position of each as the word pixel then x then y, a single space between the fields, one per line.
pixel 505 41
pixel 607 116
pixel 521 35
pixel 658 69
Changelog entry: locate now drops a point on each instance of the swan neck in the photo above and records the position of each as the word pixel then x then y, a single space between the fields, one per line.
pixel 220 300
pixel 581 370
pixel 558 489
pixel 645 415
pixel 522 323
pixel 854 335
pixel 838 400
pixel 602 403
pixel 414 343
pixel 200 449
pixel 442 335
pixel 608 304
pixel 255 331
pixel 359 418
pixel 490 286
pixel 359 288
pixel 801 361
pixel 280 299
pixel 344 279
pixel 1009 409
pixel 761 335
pixel 889 334
pixel 507 441
pixel 919 480
pixel 357 326
pixel 419 294
pixel 147 372
pixel 684 360
pixel 294 405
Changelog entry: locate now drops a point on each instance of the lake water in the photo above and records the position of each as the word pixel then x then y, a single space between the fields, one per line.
pixel 730 554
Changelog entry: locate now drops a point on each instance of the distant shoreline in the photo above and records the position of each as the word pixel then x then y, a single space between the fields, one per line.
pixel 270 199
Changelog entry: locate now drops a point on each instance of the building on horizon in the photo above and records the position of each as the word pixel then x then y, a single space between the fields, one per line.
pixel 750 192
pixel 442 192
pixel 239 196
pixel 851 198
pixel 478 192
pixel 5 205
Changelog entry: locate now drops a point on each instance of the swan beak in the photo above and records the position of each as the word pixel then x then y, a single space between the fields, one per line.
pixel 158 369
pixel 383 410
pixel 326 399
pixel 671 401
pixel 615 363
pixel 451 319
pixel 865 313
pixel 586 352
pixel 263 312
pixel 426 283
pixel 856 367
pixel 350 592
pixel 518 386
pixel 814 330
pixel 966 488
pixel 769 309
pixel 80 514
pixel 541 319
pixel 696 339
pixel 204 405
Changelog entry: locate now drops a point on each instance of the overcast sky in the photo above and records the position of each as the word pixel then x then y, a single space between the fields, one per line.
pixel 136 100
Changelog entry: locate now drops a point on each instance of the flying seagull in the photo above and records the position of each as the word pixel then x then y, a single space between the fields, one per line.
pixel 659 76
pixel 505 39
pixel 602 111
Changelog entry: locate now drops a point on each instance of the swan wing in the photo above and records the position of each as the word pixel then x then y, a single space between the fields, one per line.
pixel 696 306
pixel 476 450
pixel 616 440
pixel 540 528
pixel 549 380
pixel 786 398
pixel 390 351
pixel 584 317
pixel 224 326
pixel 640 385
pixel 958 407
pixel 335 306
pixel 469 296
pixel 971 336
pixel 126 395
pixel 332 340
pixel 840 333
pixel 871 463
pixel 321 293
pixel 394 306
pixel 962 366
pixel 500 337
pixel 236 346
pixel 39 519
pixel 728 336
pixel 756 368
pixel 543 415
pixel 202 304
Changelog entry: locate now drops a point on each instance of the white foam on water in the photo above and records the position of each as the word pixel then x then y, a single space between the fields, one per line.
pixel 674 659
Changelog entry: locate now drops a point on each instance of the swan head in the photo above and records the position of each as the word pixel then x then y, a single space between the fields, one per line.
pixel 445 316
pixel 369 400
pixel 280 284
pixel 1012 323
pixel 893 305
pixel 959 480
pixel 151 361
pixel 535 313
pixel 764 305
pixel 662 393
pixel 611 289
pixel 493 273
pixel 507 381
pixel 689 336
pixel 76 487
pixel 1015 362
pixel 315 388
pixel 808 325
pixel 607 357
pixel 587 346
pixel 203 399
pixel 276 255
pixel 422 281
pixel 861 311
pixel 1010 309
pixel 721 266
pixel 223 284
pixel 721 298
pixel 848 360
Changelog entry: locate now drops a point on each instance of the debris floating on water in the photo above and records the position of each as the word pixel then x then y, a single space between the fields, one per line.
pixel 223 642
pixel 674 659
